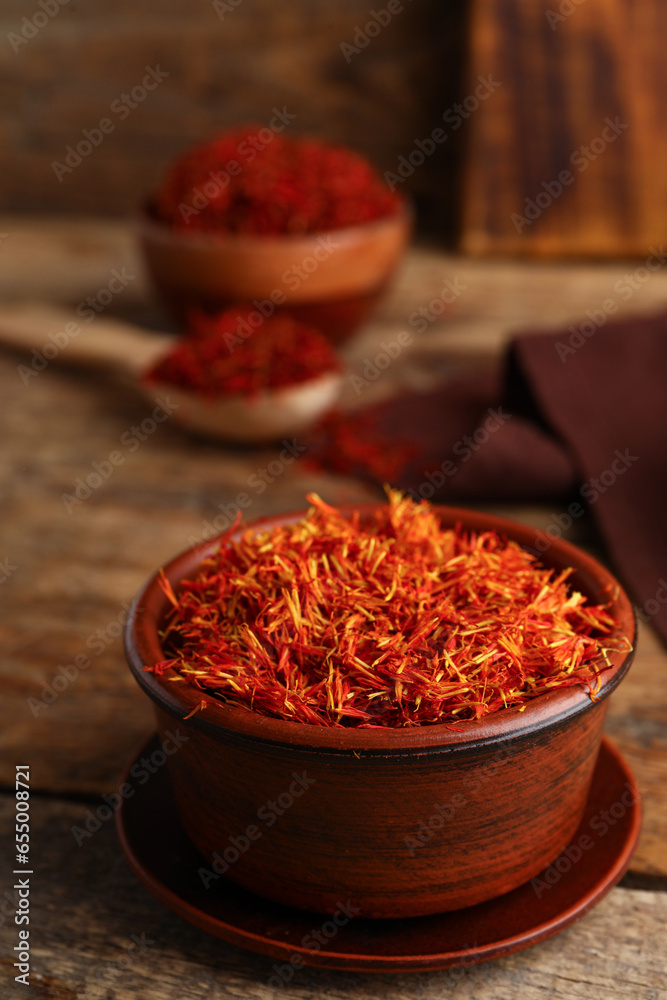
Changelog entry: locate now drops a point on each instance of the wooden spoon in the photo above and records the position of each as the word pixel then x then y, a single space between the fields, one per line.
pixel 49 333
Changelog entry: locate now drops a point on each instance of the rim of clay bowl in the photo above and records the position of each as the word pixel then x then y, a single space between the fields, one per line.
pixel 142 647
pixel 162 231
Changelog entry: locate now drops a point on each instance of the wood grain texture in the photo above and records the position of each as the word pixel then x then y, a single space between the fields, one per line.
pixel 565 71
pixel 637 722
pixel 98 934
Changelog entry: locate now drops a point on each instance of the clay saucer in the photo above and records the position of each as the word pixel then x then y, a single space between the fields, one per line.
pixel 163 858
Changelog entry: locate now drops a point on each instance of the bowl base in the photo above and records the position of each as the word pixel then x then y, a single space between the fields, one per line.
pixel 599 853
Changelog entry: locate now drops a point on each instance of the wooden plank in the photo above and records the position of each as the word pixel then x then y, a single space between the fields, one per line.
pixel 97 934
pixel 637 722
pixel 66 259
pixel 566 71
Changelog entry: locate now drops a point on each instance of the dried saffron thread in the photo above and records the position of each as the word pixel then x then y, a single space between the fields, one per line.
pixel 396 622
pixel 215 359
pixel 288 185
pixel 351 444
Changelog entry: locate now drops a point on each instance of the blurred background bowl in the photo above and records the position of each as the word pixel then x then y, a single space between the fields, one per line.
pixel 330 280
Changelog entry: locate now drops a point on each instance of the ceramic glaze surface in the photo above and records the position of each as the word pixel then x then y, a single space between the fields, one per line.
pixel 329 280
pixel 166 862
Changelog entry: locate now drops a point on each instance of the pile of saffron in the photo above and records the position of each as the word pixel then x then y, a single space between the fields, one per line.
pixel 246 181
pixel 227 354
pixel 351 444
pixel 393 623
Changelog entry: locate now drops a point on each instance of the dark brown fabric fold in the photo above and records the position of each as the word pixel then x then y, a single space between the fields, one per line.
pixel 571 419
pixel 607 400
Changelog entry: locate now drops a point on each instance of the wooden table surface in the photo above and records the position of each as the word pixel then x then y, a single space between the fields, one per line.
pixel 67 575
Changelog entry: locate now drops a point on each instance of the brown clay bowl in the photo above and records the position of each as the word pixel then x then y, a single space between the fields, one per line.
pixel 330 280
pixel 490 806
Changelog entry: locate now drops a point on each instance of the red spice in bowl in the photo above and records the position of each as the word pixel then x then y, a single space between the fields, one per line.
pixel 287 186
pixel 297 223
pixel 393 623
pixel 227 354
pixel 513 783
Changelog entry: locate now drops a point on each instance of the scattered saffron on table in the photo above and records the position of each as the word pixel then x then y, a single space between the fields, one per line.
pixel 226 354
pixel 395 622
pixel 351 444
pixel 241 183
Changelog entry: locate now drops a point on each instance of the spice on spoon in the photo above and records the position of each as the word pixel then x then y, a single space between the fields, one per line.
pixel 392 622
pixel 219 357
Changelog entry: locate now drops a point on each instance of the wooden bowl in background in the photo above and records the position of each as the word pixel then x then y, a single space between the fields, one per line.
pixel 330 280
pixel 501 798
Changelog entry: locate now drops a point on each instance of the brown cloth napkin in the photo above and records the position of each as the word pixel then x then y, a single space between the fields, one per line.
pixel 580 420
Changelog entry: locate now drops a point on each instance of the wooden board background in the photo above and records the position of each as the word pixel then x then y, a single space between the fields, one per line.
pixel 565 67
